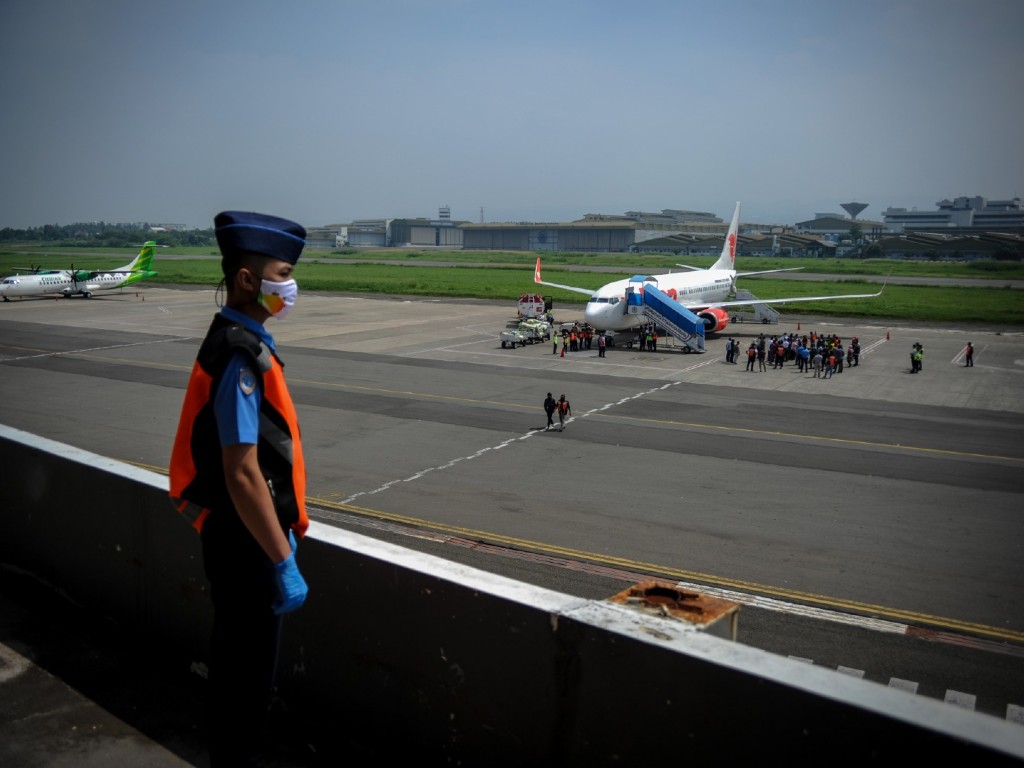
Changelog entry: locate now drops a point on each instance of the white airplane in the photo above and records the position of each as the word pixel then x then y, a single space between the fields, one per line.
pixel 69 282
pixel 705 292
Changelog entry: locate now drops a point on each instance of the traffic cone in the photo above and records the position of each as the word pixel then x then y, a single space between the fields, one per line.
pixel 563 350
pixel 886 335
pixel 798 326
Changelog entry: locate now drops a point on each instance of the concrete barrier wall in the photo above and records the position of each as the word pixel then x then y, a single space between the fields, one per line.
pixel 431 661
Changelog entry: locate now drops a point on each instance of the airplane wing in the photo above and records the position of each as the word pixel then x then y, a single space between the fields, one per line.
pixel 36 270
pixel 536 279
pixel 767 271
pixel 752 302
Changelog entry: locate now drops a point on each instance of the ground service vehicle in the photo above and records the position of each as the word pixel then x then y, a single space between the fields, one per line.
pixel 523 332
pixel 533 305
pixel 513 337
pixel 536 330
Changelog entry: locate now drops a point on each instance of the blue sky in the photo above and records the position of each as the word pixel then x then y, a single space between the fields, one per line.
pixel 325 110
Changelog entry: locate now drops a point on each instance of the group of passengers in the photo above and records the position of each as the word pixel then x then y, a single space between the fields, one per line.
pixel 647 336
pixel 825 355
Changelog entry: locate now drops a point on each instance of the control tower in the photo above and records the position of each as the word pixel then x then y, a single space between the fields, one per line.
pixel 854 208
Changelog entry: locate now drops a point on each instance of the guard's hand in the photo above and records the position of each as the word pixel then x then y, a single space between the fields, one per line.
pixel 291 587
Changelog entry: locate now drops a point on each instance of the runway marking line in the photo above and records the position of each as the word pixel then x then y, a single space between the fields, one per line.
pixel 668 422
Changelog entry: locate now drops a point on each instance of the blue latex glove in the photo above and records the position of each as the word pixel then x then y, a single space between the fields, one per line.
pixel 291 587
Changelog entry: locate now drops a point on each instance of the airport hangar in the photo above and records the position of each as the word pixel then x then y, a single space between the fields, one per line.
pixel 683 233
pixel 593 233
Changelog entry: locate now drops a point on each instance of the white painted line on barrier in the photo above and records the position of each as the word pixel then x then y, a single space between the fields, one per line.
pixel 903 685
pixel 960 699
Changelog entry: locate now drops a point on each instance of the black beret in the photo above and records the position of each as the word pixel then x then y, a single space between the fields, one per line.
pixel 241 232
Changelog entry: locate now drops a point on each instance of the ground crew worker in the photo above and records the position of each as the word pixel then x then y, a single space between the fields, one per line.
pixel 564 409
pixel 237 471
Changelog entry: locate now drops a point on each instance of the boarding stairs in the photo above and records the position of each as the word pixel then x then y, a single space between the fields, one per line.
pixel 762 312
pixel 668 314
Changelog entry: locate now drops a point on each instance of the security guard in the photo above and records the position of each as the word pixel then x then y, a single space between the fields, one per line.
pixel 237 472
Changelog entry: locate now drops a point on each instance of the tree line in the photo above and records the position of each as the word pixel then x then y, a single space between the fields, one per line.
pixel 106 235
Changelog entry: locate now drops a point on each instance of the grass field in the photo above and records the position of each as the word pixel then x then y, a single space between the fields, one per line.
pixel 55 257
pixel 506 275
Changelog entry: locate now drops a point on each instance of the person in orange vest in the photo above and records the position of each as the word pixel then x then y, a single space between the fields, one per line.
pixel 237 472
pixel 564 410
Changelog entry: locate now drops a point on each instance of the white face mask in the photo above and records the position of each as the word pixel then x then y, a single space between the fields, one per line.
pixel 278 298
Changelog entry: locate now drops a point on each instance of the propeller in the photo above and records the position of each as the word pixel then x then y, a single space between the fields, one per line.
pixel 78 275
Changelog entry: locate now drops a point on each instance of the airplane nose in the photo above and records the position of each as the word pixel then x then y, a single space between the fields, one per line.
pixel 596 315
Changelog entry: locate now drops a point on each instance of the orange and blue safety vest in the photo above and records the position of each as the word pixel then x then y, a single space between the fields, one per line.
pixel 197 484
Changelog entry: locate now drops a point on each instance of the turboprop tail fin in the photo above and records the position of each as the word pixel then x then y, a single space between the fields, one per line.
pixel 143 262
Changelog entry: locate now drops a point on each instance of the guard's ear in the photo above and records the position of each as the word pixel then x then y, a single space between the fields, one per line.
pixel 246 279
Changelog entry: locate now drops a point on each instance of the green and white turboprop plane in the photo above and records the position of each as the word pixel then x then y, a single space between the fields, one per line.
pixel 71 282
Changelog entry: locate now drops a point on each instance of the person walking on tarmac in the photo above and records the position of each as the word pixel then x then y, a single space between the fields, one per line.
pixel 549 408
pixel 237 472
pixel 564 409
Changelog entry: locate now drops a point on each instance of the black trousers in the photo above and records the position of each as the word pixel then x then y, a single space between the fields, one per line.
pixel 246 634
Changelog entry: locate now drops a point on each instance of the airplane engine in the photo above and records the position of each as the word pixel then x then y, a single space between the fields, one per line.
pixel 715 319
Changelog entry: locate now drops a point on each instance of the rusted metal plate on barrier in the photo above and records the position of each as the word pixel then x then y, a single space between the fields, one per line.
pixel 662 598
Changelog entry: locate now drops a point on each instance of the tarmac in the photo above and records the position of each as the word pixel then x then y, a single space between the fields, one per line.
pixel 110 698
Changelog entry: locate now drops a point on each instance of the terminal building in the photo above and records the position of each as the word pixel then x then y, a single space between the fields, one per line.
pixel 961 215
pixel 995 226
